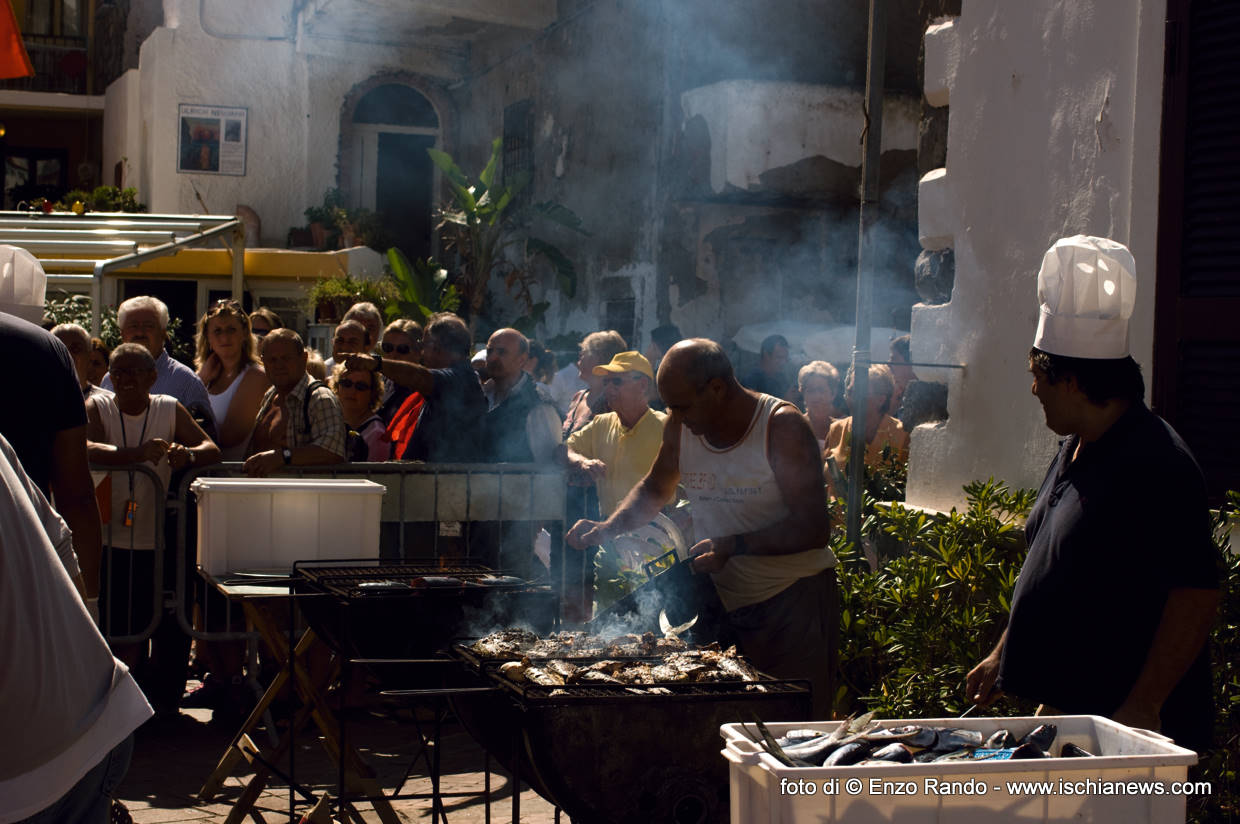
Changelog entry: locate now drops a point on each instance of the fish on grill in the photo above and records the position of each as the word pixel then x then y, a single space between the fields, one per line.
pixel 505 643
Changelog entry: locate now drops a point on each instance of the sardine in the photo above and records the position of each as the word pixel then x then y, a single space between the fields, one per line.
pixel 848 754
pixel 543 678
pixel 1000 740
pixel 895 753
pixel 1042 736
pixel 513 670
pixel 1027 750
pixel 950 740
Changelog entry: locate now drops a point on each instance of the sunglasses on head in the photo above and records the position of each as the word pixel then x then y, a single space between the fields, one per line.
pixel 349 383
pixel 400 348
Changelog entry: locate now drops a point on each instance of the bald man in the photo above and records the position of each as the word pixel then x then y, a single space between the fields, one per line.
pixel 750 466
pixel 521 427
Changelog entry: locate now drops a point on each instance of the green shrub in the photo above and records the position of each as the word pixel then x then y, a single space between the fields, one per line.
pixel 76 309
pixel 912 628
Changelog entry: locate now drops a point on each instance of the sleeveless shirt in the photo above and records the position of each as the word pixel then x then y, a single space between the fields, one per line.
pixel 733 491
pixel 159 421
pixel 219 409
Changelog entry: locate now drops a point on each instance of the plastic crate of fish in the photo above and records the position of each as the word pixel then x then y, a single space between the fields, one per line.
pixel 1119 774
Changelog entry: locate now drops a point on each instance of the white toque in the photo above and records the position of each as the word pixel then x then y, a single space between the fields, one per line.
pixel 1087 288
pixel 23 284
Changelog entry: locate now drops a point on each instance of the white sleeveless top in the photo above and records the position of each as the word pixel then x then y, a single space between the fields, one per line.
pixel 733 491
pixel 219 409
pixel 160 421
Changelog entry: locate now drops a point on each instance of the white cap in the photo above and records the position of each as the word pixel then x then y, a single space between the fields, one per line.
pixel 23 284
pixel 1087 288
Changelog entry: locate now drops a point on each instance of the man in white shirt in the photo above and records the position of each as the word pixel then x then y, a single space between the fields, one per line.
pixel 68 708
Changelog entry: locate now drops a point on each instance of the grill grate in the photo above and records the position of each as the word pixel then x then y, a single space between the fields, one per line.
pixel 346 581
pixel 609 693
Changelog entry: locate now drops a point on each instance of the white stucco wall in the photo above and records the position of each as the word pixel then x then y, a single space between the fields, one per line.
pixel 248 56
pixel 756 126
pixel 122 130
pixel 1053 131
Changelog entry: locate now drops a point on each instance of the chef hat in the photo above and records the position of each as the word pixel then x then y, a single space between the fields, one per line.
pixel 23 285
pixel 1087 288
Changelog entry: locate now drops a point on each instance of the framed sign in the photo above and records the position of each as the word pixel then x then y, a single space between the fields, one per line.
pixel 212 140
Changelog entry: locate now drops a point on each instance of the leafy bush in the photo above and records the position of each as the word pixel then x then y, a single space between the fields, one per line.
pixel 912 628
pixel 76 309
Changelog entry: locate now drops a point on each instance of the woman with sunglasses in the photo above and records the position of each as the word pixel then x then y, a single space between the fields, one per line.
pixel 263 320
pixel 229 367
pixel 401 341
pixel 359 391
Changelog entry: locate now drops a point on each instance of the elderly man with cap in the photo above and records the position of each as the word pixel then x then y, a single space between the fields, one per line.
pixel 1120 586
pixel 616 448
pixel 749 464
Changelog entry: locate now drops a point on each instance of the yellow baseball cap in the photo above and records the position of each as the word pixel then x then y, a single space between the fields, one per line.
pixel 626 362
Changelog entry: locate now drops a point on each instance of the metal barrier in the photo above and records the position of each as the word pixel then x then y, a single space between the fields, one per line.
pixel 422 501
pixel 108 586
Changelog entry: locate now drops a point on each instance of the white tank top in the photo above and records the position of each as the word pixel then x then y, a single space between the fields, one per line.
pixel 159 421
pixel 219 409
pixel 733 491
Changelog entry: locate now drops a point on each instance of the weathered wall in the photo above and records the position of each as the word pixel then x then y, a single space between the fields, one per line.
pixel 610 83
pixel 122 131
pixel 1055 111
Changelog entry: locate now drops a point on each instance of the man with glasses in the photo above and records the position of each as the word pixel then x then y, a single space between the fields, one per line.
pixel 521 427
pixel 144 320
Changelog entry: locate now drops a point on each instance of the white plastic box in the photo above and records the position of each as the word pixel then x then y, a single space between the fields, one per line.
pixel 965 792
pixel 260 523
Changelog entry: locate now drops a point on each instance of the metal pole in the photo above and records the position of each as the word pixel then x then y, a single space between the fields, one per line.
pixel 872 143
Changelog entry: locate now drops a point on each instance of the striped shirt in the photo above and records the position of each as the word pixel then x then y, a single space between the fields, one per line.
pixel 327 427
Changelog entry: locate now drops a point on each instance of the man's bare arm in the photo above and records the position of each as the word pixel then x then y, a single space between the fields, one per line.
pixel 75 501
pixel 1185 625
pixel 413 376
pixel 645 500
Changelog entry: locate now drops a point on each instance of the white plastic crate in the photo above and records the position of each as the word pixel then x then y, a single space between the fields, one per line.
pixel 764 791
pixel 260 523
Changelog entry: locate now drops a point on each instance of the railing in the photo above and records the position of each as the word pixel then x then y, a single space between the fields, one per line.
pixel 61 64
pixel 422 505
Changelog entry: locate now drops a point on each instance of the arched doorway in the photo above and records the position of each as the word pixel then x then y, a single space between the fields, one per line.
pixel 392 127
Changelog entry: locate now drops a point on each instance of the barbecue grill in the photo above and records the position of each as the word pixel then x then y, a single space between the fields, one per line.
pixel 411 610
pixel 602 753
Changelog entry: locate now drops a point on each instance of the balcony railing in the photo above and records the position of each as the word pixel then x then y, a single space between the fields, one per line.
pixel 60 64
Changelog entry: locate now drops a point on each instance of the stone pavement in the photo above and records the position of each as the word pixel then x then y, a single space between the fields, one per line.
pixel 172 758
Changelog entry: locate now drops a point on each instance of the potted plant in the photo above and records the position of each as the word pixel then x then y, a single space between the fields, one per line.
pixel 331 297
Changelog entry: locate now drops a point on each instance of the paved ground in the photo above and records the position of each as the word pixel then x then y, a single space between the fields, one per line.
pixel 173 758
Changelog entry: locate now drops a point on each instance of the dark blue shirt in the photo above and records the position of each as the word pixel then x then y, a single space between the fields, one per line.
pixel 450 428
pixel 1110 535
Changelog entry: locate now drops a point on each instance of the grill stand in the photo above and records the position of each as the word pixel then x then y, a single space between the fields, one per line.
pixel 314 707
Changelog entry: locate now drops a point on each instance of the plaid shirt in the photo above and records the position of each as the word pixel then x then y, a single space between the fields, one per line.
pixel 327 427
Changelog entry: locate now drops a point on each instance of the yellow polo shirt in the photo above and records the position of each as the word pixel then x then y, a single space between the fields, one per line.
pixel 628 453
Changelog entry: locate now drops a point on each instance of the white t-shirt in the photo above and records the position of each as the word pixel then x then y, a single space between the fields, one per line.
pixel 65 702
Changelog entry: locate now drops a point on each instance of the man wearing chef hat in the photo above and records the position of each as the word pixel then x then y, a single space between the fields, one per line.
pixel 1120 586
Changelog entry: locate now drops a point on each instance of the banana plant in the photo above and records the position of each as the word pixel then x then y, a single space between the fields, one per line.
pixel 422 288
pixel 488 229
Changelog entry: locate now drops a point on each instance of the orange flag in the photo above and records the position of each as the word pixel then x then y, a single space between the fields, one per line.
pixel 14 62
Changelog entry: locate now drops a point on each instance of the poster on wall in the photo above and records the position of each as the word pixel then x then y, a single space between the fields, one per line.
pixel 212 140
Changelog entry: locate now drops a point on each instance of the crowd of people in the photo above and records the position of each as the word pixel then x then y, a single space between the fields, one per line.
pixel 753 466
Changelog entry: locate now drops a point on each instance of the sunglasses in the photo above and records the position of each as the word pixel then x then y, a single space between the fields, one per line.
pixel 262 333
pixel 620 381
pixel 400 348
pixel 348 383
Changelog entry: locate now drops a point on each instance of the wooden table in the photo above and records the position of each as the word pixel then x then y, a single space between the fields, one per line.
pixel 262 605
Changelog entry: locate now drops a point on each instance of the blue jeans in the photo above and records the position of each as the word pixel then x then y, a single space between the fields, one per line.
pixel 90 800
